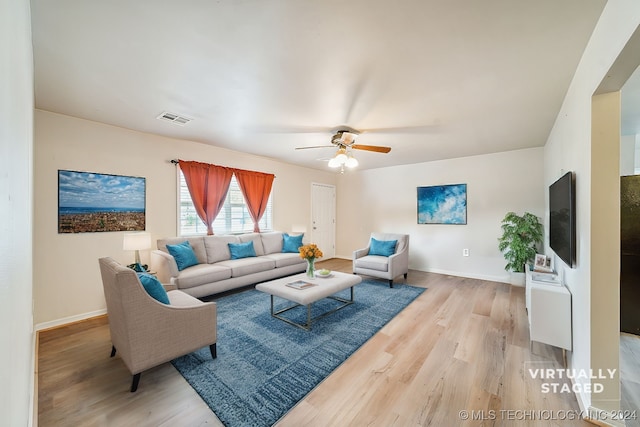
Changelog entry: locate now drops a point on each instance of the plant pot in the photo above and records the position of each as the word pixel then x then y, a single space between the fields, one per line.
pixel 517 279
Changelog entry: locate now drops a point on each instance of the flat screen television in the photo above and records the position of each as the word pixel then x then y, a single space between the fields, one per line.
pixel 562 218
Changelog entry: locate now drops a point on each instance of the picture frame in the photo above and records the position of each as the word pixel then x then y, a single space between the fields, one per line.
pixel 442 204
pixel 90 202
pixel 543 263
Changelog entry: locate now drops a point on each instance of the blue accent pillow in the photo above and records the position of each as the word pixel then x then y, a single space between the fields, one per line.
pixel 183 254
pixel 382 247
pixel 291 244
pixel 153 287
pixel 242 250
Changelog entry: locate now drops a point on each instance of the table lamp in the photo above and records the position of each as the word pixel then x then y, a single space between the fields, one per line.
pixel 137 242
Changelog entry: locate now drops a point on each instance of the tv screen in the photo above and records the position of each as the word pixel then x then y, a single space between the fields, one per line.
pixel 562 218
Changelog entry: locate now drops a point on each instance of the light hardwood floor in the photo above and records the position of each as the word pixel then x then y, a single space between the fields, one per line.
pixel 463 345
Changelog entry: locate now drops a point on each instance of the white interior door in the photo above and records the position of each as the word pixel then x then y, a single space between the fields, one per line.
pixel 323 218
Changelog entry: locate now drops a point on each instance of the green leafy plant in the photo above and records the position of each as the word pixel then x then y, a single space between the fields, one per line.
pixel 520 237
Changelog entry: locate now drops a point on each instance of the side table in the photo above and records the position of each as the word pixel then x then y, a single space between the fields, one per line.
pixel 549 313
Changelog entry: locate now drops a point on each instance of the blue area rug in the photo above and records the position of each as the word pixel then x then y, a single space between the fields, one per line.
pixel 265 366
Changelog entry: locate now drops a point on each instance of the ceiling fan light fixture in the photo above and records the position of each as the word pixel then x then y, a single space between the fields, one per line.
pixel 343 158
pixel 334 163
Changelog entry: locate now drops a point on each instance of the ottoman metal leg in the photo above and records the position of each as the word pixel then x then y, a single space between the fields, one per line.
pixel 310 320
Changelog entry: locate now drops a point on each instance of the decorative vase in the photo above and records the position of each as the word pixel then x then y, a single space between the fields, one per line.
pixel 311 268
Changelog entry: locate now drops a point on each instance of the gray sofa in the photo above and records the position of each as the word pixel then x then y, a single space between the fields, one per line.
pixel 216 271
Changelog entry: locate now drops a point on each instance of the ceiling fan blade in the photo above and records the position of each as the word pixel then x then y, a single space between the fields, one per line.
pixel 403 129
pixel 376 148
pixel 354 99
pixel 291 129
pixel 316 146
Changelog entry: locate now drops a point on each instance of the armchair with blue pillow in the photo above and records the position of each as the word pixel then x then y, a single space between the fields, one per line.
pixel 386 257
pixel 150 326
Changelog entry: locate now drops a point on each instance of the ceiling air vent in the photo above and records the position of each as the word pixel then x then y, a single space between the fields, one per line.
pixel 174 118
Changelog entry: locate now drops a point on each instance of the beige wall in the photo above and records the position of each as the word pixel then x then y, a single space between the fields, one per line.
pixel 16 169
pixel 66 279
pixel 605 244
pixel 569 148
pixel 385 200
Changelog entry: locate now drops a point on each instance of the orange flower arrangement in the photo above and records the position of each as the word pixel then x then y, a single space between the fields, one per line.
pixel 310 252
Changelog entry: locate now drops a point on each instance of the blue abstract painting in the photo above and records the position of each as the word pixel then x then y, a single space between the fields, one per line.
pixel 442 204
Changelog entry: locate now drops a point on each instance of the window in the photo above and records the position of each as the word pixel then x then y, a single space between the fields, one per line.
pixel 233 217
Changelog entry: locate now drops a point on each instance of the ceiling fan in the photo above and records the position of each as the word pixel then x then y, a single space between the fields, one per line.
pixel 346 138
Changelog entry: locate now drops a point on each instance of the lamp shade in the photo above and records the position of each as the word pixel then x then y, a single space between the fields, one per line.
pixel 341 158
pixel 136 241
pixel 351 162
pixel 334 163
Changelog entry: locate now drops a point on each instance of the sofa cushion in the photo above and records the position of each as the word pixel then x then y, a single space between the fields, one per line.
pixel 245 266
pixel 291 244
pixel 197 244
pixel 153 287
pixel 182 299
pixel 183 254
pixel 286 259
pixel 257 242
pixel 217 248
pixel 241 250
pixel 202 274
pixel 271 242
pixel 382 247
pixel 373 262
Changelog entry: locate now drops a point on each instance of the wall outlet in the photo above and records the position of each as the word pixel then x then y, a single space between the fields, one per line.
pixel 465 252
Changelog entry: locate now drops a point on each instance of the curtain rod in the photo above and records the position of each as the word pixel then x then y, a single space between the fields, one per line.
pixel 175 162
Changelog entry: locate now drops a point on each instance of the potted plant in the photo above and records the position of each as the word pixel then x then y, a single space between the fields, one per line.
pixel 518 243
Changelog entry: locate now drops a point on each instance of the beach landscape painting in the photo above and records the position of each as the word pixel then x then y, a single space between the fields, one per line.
pixel 442 204
pixel 91 202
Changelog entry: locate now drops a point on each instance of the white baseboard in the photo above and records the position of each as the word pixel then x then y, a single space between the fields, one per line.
pixel 601 417
pixel 70 319
pixel 503 278
pixel 491 278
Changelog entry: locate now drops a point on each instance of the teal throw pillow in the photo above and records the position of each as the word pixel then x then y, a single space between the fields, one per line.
pixel 183 254
pixel 242 250
pixel 153 287
pixel 291 244
pixel 382 247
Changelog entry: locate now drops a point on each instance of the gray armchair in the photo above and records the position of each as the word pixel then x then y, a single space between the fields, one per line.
pixel 147 333
pixel 384 267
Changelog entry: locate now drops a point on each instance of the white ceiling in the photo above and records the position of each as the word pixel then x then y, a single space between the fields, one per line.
pixel 260 76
